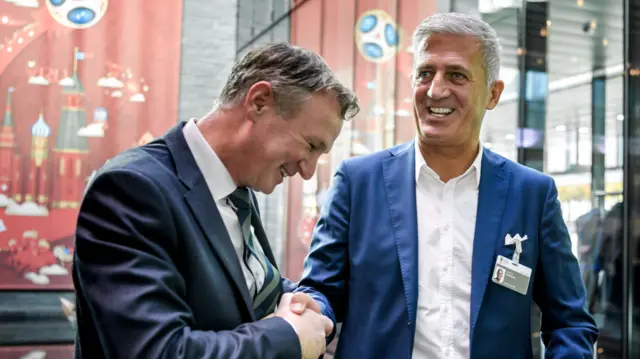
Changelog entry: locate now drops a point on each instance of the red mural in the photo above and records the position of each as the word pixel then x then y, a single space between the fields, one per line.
pixel 80 81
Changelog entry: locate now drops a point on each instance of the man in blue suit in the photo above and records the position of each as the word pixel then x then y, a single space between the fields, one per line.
pixel 439 247
pixel 171 258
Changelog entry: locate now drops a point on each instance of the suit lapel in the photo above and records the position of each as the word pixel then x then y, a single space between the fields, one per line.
pixel 492 199
pixel 399 183
pixel 205 211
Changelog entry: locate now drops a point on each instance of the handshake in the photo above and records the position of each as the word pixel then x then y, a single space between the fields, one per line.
pixel 304 315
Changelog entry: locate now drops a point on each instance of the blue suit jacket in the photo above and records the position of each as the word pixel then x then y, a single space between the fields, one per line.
pixel 363 261
pixel 155 272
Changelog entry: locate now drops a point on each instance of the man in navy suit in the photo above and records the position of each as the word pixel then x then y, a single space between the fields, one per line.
pixel 408 241
pixel 171 258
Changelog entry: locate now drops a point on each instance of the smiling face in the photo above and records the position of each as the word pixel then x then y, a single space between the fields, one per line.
pixel 279 147
pixel 450 91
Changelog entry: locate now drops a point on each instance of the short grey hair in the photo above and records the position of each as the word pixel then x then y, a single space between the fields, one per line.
pixel 462 24
pixel 294 74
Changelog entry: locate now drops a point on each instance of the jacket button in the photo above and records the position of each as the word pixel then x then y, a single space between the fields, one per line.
pixel 409 323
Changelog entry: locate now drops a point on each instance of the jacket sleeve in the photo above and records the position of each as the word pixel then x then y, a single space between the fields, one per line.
pixel 133 294
pixel 326 267
pixel 568 330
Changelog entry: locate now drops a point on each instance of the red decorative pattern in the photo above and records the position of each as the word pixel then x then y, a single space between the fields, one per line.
pixel 130 52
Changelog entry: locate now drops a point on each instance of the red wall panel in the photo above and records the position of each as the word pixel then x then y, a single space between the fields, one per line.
pixel 128 63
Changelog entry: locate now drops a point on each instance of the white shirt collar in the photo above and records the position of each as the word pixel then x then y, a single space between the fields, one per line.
pixel 420 163
pixel 215 173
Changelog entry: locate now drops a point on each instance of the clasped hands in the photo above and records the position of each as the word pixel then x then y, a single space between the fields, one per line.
pixel 304 314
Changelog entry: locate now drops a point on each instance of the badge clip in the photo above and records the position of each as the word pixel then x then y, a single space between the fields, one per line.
pixel 518 251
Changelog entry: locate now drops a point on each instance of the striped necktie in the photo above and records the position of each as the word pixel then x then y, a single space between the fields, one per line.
pixel 265 298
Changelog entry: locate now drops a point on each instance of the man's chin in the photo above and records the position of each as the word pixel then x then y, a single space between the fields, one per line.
pixel 268 189
pixel 268 185
pixel 433 135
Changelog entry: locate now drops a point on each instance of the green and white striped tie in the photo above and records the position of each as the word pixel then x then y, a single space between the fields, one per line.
pixel 266 297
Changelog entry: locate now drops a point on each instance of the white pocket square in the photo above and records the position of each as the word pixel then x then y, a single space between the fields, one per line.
pixel 509 240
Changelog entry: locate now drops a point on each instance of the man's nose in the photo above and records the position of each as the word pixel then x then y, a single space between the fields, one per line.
pixel 439 88
pixel 308 166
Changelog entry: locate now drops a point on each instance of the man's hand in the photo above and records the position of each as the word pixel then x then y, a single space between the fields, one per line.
pixel 301 301
pixel 310 326
pixel 298 302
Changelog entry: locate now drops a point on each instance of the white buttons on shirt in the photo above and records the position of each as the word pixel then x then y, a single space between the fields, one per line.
pixel 444 251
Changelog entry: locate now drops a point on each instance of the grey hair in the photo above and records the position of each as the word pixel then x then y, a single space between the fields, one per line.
pixel 462 24
pixel 294 74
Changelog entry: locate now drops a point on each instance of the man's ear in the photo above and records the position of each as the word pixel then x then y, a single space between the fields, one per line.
pixel 259 99
pixel 496 91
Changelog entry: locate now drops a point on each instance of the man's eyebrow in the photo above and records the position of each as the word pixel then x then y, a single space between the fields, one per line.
pixel 318 143
pixel 453 67
pixel 324 146
pixel 457 68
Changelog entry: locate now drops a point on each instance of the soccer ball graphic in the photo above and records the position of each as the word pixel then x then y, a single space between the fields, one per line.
pixel 77 14
pixel 377 36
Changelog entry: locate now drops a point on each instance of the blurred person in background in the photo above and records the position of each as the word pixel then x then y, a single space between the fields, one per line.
pixel 407 241
pixel 171 257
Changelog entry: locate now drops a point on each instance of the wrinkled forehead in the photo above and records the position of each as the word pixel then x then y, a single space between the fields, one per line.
pixel 451 47
pixel 334 122
pixel 323 118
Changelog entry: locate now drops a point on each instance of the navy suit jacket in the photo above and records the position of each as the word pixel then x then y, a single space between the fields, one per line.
pixel 155 272
pixel 363 261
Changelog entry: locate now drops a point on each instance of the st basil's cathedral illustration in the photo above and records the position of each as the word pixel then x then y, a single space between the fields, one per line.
pixel 60 80
pixel 42 191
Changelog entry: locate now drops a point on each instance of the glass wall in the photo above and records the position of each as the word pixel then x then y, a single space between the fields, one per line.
pixel 584 147
pixel 260 22
pixel 628 257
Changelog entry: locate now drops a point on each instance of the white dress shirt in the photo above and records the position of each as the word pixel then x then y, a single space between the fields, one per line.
pixel 221 185
pixel 446 225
